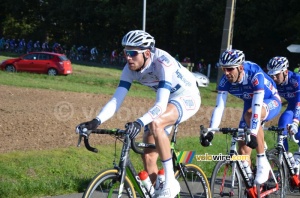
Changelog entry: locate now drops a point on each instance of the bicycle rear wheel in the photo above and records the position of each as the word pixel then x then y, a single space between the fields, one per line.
pixel 221 181
pixel 196 184
pixel 106 184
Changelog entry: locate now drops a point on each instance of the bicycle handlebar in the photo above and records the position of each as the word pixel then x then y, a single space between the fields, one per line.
pixel 227 130
pixel 279 130
pixel 137 147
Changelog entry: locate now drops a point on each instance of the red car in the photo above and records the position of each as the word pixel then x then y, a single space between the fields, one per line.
pixel 39 62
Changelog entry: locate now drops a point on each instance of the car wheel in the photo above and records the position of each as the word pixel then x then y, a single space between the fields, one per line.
pixel 52 72
pixel 10 68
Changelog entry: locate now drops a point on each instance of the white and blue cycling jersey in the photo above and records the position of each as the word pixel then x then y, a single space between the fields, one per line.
pixel 290 91
pixel 256 89
pixel 172 83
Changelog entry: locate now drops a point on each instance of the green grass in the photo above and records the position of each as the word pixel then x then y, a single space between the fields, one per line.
pixel 68 170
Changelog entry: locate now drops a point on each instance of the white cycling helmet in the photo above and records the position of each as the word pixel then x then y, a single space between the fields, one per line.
pixel 138 38
pixel 232 58
pixel 277 64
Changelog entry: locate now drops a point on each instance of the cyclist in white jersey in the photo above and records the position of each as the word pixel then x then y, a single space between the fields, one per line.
pixel 177 99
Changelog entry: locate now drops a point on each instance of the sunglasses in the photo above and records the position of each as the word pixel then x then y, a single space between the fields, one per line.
pixel 228 69
pixel 133 53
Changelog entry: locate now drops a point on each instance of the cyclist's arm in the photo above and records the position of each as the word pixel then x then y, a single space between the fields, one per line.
pixel 113 105
pixel 296 117
pixel 257 102
pixel 160 106
pixel 115 102
pixel 220 106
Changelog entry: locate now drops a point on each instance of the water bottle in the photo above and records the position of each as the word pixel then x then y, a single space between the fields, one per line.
pixel 247 168
pixel 146 182
pixel 160 180
pixel 297 162
pixel 291 159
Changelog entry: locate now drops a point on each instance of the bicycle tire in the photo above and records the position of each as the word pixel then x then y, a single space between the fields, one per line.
pixel 197 182
pixel 220 182
pixel 279 175
pixel 106 184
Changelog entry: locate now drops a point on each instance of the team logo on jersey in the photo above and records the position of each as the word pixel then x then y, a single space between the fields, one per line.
pixel 164 60
pixel 290 95
pixel 297 112
pixel 255 82
pixel 294 83
pixel 155 111
pixel 222 82
pixel 189 103
pixel 247 95
pixel 273 104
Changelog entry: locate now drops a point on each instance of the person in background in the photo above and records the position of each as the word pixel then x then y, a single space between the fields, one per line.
pixel 288 88
pixel 247 81
pixel 177 99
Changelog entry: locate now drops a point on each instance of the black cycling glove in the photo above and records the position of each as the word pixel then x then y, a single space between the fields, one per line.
pixel 133 129
pixel 253 142
pixel 206 140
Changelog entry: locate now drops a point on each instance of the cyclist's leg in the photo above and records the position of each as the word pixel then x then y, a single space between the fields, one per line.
pixel 285 118
pixel 270 109
pixel 150 155
pixel 179 109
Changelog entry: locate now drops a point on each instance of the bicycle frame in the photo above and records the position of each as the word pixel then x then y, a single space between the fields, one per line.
pixel 126 171
pixel 282 153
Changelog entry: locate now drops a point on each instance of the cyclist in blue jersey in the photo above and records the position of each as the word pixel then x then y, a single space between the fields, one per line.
pixel 177 99
pixel 247 81
pixel 288 88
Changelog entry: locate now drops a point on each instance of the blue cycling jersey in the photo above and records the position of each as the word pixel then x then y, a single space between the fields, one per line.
pixel 256 89
pixel 290 90
pixel 251 82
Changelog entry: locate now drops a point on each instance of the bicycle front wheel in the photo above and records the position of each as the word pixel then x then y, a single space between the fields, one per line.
pixel 107 184
pixel 279 176
pixel 222 183
pixel 193 182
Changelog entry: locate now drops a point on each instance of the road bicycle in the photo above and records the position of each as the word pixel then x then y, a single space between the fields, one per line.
pixel 122 180
pixel 291 179
pixel 229 177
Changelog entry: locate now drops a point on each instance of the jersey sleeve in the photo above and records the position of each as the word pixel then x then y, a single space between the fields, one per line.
pixel 117 99
pixel 297 98
pixel 219 109
pixel 258 84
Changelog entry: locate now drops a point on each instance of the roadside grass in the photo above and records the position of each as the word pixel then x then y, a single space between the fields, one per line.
pixel 69 170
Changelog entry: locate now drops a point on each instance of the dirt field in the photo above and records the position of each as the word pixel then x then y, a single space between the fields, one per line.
pixel 37 119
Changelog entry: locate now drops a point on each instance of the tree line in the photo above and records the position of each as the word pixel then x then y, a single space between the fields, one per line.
pixel 189 28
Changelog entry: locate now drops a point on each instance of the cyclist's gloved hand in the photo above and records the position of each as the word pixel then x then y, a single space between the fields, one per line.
pixel 253 141
pixel 133 129
pixel 205 139
pixel 91 125
pixel 293 128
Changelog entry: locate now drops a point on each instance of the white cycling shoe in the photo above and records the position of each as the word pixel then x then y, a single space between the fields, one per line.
pixel 169 191
pixel 262 172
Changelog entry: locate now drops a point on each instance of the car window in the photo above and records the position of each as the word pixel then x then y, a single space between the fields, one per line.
pixel 63 58
pixel 45 57
pixel 30 57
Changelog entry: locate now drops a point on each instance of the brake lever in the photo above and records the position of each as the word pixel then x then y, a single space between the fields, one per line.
pixel 79 140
